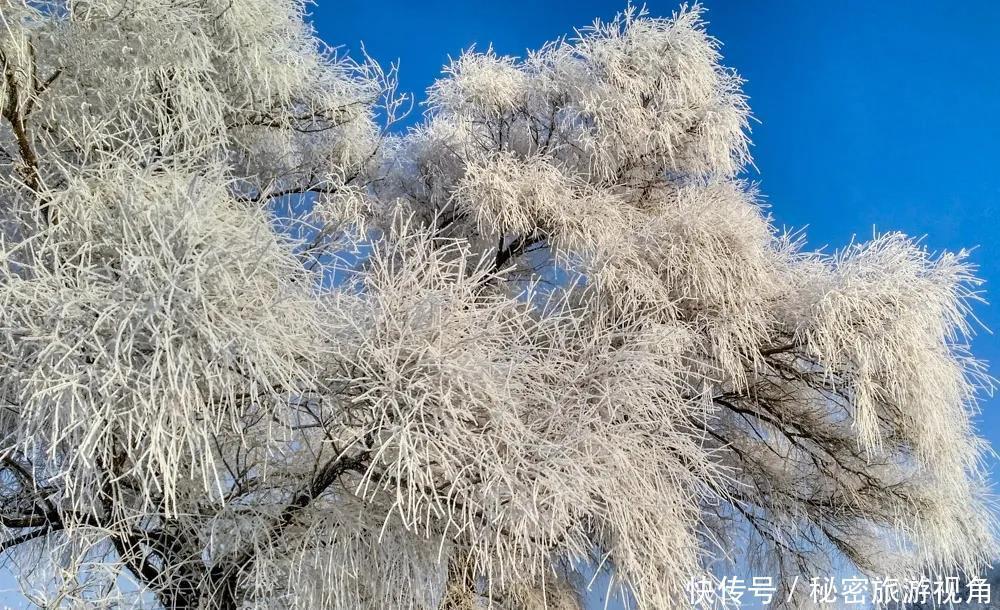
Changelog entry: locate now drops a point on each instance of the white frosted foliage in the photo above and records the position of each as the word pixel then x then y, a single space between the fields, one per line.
pixel 255 352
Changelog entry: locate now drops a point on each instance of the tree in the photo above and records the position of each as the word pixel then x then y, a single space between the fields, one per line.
pixel 258 352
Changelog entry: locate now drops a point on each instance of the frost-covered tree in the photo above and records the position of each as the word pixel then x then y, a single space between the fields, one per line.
pixel 256 353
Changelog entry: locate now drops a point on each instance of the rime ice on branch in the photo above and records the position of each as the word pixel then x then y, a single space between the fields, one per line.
pixel 573 336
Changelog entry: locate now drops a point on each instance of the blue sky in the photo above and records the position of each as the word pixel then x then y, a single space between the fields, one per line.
pixel 874 116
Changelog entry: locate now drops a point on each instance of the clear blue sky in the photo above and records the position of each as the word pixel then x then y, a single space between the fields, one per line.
pixel 873 115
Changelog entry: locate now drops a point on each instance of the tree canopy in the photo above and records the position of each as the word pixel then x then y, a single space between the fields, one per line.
pixel 258 349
